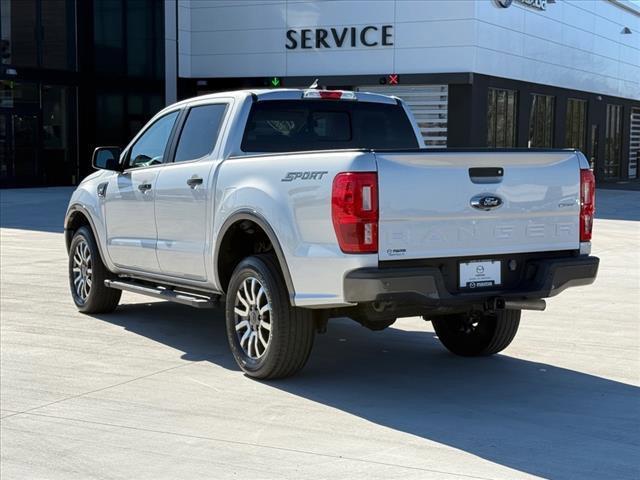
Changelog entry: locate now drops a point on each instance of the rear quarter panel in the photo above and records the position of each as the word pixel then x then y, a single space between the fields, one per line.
pixel 298 211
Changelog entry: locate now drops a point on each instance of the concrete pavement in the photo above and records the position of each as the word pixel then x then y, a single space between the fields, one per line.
pixel 152 391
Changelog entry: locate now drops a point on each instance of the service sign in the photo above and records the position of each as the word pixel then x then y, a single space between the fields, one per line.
pixel 340 37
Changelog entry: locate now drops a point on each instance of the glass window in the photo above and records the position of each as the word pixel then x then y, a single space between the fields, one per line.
pixel 576 124
pixel 200 132
pixel 140 38
pixel 58 34
pixel 18 25
pixel 129 37
pixel 150 147
pixel 19 94
pixel 613 142
pixel 541 121
pixel 37 33
pixel 292 125
pixel 108 36
pixel 109 119
pixel 502 114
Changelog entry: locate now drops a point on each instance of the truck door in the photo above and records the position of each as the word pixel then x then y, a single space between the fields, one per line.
pixel 184 190
pixel 129 199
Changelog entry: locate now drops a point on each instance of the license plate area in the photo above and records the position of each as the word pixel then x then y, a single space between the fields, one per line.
pixel 476 274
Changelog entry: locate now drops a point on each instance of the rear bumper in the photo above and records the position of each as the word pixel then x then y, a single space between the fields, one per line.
pixel 426 285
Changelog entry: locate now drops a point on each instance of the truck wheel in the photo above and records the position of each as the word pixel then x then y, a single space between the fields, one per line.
pixel 268 337
pixel 87 274
pixel 472 336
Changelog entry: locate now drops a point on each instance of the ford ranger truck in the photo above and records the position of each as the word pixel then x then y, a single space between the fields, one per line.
pixel 290 207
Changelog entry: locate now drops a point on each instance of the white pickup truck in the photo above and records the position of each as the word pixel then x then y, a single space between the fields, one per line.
pixel 296 206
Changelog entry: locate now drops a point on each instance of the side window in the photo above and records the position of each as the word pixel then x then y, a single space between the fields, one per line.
pixel 149 148
pixel 200 132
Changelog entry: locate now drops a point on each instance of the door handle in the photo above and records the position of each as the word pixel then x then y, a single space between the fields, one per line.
pixel 194 181
pixel 144 187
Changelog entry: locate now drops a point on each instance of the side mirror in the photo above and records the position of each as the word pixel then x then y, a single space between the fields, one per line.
pixel 107 158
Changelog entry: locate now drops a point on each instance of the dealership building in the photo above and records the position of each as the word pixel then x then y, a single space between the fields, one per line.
pixel 475 73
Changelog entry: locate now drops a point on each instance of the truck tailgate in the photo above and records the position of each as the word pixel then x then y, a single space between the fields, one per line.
pixel 525 201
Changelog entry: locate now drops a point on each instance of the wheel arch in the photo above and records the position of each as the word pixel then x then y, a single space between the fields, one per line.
pixel 232 222
pixel 78 216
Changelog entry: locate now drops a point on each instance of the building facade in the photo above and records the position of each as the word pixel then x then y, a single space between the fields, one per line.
pixel 476 73
pixel 74 74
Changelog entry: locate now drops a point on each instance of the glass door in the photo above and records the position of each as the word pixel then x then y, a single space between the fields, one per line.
pixel 25 147
pixel 6 156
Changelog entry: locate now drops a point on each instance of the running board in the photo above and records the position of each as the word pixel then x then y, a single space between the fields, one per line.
pixel 185 298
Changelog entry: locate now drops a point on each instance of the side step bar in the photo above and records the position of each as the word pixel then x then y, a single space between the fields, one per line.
pixel 165 293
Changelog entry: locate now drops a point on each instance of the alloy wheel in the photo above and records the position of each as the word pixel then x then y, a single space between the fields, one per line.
pixel 252 311
pixel 82 270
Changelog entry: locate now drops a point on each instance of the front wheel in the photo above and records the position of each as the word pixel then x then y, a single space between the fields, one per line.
pixel 473 335
pixel 87 274
pixel 268 337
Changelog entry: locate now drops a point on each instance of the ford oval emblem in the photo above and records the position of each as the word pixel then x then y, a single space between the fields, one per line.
pixel 486 201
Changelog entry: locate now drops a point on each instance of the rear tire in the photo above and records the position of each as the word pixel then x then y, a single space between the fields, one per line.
pixel 472 336
pixel 87 274
pixel 268 337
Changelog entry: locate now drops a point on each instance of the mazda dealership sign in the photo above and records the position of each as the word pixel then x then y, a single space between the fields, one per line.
pixel 537 4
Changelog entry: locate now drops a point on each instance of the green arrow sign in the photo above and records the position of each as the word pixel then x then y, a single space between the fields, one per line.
pixel 275 82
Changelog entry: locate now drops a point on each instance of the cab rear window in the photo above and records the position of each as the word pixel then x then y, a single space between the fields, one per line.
pixel 302 125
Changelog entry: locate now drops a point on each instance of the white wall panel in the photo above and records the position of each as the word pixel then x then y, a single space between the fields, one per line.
pixel 339 12
pixel 236 42
pixel 446 33
pixel 512 18
pixel 573 43
pixel 577 16
pixel 245 65
pixel 345 62
pixel 433 10
pixel 261 16
pixel 434 60
pixel 496 37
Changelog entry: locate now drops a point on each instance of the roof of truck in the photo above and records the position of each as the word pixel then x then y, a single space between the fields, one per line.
pixel 285 94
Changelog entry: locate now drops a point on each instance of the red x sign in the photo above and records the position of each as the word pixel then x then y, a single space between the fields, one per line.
pixel 393 79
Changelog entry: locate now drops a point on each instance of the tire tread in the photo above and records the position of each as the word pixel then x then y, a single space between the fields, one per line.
pixel 507 327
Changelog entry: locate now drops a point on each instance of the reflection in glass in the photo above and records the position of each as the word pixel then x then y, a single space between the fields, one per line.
pixel 150 148
pixel 18 94
pixel 613 142
pixel 576 125
pixel 501 118
pixel 541 121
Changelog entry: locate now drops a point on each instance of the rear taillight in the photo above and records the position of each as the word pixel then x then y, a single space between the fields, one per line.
pixel 354 211
pixel 587 203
